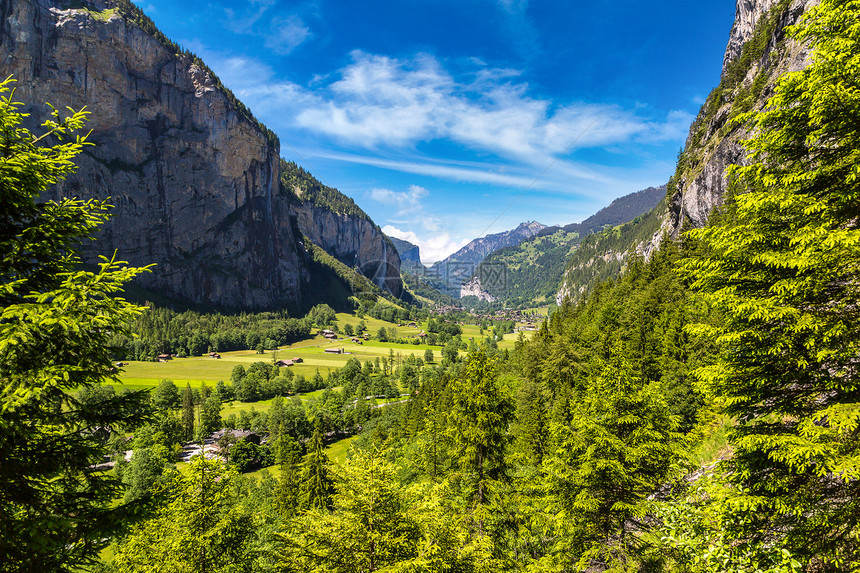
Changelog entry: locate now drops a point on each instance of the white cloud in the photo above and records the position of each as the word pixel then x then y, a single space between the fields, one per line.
pixel 434 249
pixel 281 33
pixel 563 173
pixel 383 108
pixel 287 34
pixel 382 101
pixel 406 202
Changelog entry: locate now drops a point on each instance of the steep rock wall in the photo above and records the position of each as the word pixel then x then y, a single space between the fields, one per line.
pixel 702 187
pixel 758 52
pixel 354 241
pixel 190 175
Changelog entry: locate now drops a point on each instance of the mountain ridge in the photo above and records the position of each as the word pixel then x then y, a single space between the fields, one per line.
pixel 530 273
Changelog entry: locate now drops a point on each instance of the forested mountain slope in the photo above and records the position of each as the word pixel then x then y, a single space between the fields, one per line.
pixel 530 273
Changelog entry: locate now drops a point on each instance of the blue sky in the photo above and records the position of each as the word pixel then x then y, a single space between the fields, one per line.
pixel 446 120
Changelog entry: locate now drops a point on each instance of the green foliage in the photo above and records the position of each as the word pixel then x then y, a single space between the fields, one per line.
pixel 187 413
pixel 288 457
pixel 601 256
pixel 55 328
pixel 316 479
pixel 143 472
pixel 619 446
pixel 334 282
pixel 298 182
pixel 478 423
pixel 201 528
pixel 370 528
pixel 165 396
pixel 162 330
pixel 783 269
pixel 533 269
pixel 694 535
pixel 210 415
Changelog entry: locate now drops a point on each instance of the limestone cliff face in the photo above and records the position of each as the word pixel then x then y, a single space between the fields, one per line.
pixel 407 251
pixel 701 188
pixel 353 240
pixel 190 175
pixel 474 288
pixel 747 15
pixel 758 52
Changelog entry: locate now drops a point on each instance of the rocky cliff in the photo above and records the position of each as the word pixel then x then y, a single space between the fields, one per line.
pixel 193 176
pixel 190 175
pixel 358 243
pixel 407 251
pixel 758 52
pixel 473 288
pixel 333 221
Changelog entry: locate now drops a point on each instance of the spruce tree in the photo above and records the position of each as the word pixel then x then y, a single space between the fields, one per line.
pixel 619 447
pixel 316 479
pixel 784 269
pixel 288 457
pixel 56 325
pixel 478 421
pixel 188 412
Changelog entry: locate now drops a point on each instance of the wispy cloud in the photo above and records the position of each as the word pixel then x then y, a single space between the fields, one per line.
pixel 379 101
pixel 434 248
pixel 282 32
pixel 287 33
pixel 561 180
pixel 406 202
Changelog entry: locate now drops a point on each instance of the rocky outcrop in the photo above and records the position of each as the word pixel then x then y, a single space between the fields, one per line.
pixel 702 188
pixel 747 15
pixel 758 52
pixel 407 251
pixel 473 288
pixel 355 241
pixel 190 175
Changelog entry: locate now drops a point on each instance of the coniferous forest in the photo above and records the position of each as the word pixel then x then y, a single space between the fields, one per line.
pixel 698 413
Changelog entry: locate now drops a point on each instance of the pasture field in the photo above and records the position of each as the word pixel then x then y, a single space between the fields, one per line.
pixel 200 370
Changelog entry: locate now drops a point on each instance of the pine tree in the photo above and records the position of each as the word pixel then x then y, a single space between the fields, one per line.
pixel 618 448
pixel 784 269
pixel 188 412
pixel 288 490
pixel 370 529
pixel 201 529
pixel 316 480
pixel 56 325
pixel 477 429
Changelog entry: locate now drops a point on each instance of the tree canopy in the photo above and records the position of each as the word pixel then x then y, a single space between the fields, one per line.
pixel 55 328
pixel 783 268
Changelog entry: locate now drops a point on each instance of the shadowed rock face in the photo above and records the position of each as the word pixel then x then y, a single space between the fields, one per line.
pixel 193 178
pixel 190 176
pixel 354 241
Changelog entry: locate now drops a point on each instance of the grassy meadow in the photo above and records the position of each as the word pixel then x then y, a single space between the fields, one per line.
pixel 199 370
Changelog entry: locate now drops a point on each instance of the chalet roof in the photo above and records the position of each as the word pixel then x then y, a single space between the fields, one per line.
pixel 238 434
